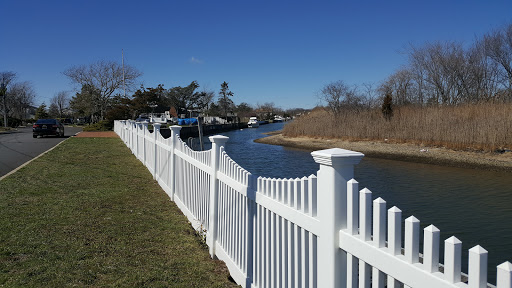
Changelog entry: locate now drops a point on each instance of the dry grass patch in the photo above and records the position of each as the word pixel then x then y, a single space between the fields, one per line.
pixel 483 127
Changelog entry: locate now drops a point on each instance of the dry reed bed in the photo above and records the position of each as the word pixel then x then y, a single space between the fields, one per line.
pixel 486 127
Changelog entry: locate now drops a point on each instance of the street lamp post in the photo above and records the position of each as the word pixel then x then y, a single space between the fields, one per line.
pixel 3 90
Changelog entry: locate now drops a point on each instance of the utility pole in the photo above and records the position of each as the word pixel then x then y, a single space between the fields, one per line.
pixel 122 61
pixel 200 129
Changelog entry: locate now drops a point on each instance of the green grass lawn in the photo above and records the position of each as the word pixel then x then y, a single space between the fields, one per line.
pixel 89 214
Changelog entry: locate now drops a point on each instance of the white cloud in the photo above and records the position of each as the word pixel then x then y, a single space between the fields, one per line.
pixel 194 60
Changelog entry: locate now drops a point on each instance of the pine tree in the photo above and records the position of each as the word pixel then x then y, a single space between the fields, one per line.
pixel 225 102
pixel 387 107
pixel 41 112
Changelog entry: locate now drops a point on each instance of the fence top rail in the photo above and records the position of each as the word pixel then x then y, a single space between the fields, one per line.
pixel 233 170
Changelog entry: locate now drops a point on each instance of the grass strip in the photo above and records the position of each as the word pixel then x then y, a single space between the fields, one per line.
pixel 88 213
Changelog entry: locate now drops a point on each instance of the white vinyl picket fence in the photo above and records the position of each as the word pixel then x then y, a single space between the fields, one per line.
pixel 317 231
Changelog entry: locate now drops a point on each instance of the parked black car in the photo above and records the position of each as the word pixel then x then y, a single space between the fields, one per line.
pixel 48 127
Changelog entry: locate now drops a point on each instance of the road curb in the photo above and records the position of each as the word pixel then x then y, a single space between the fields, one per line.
pixel 28 162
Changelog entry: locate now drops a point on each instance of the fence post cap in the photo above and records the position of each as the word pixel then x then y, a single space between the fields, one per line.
pixel 337 157
pixel 175 127
pixel 157 126
pixel 219 139
pixel 453 240
pixel 432 228
pixel 505 266
pixel 478 250
pixel 412 219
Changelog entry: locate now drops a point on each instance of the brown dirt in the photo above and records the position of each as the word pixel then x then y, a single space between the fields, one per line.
pixel 403 152
pixel 98 134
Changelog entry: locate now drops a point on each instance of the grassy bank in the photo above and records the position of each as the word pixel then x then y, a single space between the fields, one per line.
pixel 486 127
pixel 89 214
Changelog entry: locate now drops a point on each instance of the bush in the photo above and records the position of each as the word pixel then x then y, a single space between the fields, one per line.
pixel 104 125
pixel 12 122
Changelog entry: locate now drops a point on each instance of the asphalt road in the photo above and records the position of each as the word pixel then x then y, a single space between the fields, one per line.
pixel 18 147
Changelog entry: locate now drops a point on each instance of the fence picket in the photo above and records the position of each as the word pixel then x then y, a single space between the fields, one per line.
pixel 352 271
pixel 379 222
pixel 452 259
pixel 412 239
pixel 377 278
pixel 364 275
pixel 284 251
pixel 431 246
pixel 312 187
pixel 365 220
pixel 352 207
pixel 296 253
pixel 477 271
pixel 273 273
pixel 504 275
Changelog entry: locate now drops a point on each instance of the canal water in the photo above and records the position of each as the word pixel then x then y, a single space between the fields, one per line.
pixel 473 205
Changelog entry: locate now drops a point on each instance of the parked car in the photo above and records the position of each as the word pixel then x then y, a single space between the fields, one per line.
pixel 142 119
pixel 67 121
pixel 48 127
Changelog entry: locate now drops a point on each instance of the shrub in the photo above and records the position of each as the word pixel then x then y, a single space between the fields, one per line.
pixel 104 125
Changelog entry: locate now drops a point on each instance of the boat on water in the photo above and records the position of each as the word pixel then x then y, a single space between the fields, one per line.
pixel 278 119
pixel 253 123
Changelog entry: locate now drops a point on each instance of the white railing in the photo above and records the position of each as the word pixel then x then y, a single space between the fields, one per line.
pixel 309 232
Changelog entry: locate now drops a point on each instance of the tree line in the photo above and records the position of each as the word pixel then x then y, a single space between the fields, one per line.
pixel 107 92
pixel 438 73
pixel 17 98
pixel 97 99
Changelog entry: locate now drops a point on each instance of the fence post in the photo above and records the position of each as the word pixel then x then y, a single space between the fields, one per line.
pixel 137 128
pixel 156 132
pixel 251 218
pixel 217 142
pixel 175 133
pixel 336 169
pixel 130 133
pixel 123 130
pixel 144 131
pixel 133 130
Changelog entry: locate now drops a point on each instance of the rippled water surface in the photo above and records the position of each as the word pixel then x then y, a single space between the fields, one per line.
pixel 473 205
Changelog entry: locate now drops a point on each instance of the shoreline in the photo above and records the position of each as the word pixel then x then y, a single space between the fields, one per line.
pixel 501 162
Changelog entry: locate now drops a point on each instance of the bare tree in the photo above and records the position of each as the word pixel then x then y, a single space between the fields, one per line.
pixel 268 110
pixel 339 95
pixel 498 47
pixel 369 95
pixel 401 87
pixel 5 78
pixel 482 75
pixel 61 102
pixel 106 77
pixel 446 73
pixel 20 97
pixel 434 68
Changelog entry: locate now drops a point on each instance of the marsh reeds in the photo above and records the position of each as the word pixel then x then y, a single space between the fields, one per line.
pixel 481 127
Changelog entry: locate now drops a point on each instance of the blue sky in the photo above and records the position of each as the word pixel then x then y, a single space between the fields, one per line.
pixel 268 51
